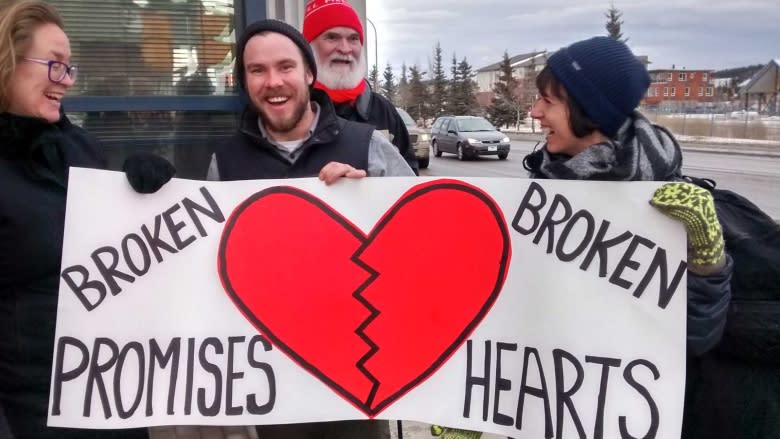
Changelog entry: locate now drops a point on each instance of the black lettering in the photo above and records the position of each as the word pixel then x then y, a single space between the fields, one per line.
pixel 156 356
pixel 666 289
pixel 549 223
pixel 190 367
pixel 251 400
pixel 502 384
pixel 541 392
pixel 146 258
pixel 60 376
pixel 213 369
pixel 472 381
pixel 590 224
pixel 109 272
pixel 627 262
pixel 132 346
pixel 525 205
pixel 214 213
pixel 601 247
pixel 642 390
pixel 95 377
pixel 154 241
pixel 85 284
pixel 564 396
pixel 231 410
pixel 606 363
pixel 175 228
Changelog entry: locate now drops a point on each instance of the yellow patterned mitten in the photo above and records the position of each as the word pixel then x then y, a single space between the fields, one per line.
pixel 695 208
pixel 454 433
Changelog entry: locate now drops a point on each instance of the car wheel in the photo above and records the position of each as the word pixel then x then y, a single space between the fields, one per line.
pixel 435 147
pixel 423 163
pixel 503 155
pixel 461 155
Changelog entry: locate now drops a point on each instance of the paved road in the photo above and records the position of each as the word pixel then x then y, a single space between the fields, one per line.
pixel 755 175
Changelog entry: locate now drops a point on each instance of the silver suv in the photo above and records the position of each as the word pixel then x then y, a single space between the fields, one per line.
pixel 418 139
pixel 468 136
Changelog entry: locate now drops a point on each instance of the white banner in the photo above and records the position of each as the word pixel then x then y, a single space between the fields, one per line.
pixel 521 307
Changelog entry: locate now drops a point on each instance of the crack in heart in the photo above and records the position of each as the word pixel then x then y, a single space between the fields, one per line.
pixel 409 326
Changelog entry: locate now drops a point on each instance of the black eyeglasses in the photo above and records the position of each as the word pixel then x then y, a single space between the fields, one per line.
pixel 57 70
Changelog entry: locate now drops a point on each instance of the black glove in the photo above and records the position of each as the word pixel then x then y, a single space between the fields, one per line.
pixel 147 173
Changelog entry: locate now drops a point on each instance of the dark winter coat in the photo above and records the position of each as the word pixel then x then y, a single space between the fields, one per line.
pixel 34 160
pixel 248 154
pixel 642 151
pixel 374 109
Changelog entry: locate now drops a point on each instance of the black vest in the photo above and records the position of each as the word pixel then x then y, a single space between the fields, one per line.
pixel 249 156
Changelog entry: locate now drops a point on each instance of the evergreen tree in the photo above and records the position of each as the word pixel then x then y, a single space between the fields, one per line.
pixel 466 98
pixel 403 87
pixel 419 104
pixel 614 23
pixel 501 111
pixel 373 78
pixel 438 99
pixel 389 87
pixel 453 91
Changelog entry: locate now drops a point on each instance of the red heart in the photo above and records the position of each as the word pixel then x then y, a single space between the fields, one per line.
pixel 372 316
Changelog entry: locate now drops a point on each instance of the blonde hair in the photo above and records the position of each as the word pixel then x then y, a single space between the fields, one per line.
pixel 19 19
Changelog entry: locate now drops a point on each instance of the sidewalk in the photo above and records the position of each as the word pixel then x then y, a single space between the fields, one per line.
pixel 715 145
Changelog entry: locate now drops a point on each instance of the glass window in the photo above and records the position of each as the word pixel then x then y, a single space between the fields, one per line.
pixel 474 124
pixel 146 50
pixel 151 47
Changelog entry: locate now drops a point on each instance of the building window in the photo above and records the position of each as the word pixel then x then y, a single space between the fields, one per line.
pixel 150 54
pixel 704 77
pixel 701 91
pixel 674 91
pixel 709 91
pixel 670 76
pixel 687 91
pixel 666 91
pixel 681 77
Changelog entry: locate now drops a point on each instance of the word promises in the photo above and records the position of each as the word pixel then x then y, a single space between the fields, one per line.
pixel 124 376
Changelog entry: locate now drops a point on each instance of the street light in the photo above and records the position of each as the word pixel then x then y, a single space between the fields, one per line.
pixel 376 50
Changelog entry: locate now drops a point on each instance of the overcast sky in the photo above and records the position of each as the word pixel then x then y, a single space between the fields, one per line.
pixel 695 34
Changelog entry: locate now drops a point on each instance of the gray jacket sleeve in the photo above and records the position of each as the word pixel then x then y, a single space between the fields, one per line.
pixel 708 305
pixel 384 160
pixel 5 430
pixel 213 172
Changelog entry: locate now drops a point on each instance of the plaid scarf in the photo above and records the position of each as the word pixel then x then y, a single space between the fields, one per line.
pixel 640 151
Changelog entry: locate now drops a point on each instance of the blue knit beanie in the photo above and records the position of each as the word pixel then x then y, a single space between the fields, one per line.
pixel 604 78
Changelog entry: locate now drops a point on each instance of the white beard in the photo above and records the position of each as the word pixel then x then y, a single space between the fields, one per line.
pixel 341 78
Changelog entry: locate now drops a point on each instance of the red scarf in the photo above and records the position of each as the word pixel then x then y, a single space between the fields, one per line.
pixel 340 96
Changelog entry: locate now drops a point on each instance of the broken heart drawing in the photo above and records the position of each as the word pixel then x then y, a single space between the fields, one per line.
pixel 372 315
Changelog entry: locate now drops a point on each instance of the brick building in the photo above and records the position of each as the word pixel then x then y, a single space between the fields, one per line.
pixel 680 86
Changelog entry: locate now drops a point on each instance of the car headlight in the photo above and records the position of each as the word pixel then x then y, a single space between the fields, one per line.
pixel 505 140
pixel 425 137
pixel 473 141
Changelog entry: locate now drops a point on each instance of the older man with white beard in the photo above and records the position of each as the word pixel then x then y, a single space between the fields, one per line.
pixel 336 36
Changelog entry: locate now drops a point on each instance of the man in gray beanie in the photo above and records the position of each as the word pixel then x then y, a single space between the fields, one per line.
pixel 289 129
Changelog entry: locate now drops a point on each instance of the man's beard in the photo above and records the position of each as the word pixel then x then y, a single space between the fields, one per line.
pixel 285 124
pixel 341 78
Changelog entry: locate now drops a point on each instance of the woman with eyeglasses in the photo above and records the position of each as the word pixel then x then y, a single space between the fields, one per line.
pixel 37 146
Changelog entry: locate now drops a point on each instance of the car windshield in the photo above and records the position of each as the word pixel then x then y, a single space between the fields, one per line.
pixel 408 121
pixel 474 124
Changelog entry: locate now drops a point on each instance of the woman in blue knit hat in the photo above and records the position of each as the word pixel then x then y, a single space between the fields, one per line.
pixel 588 95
